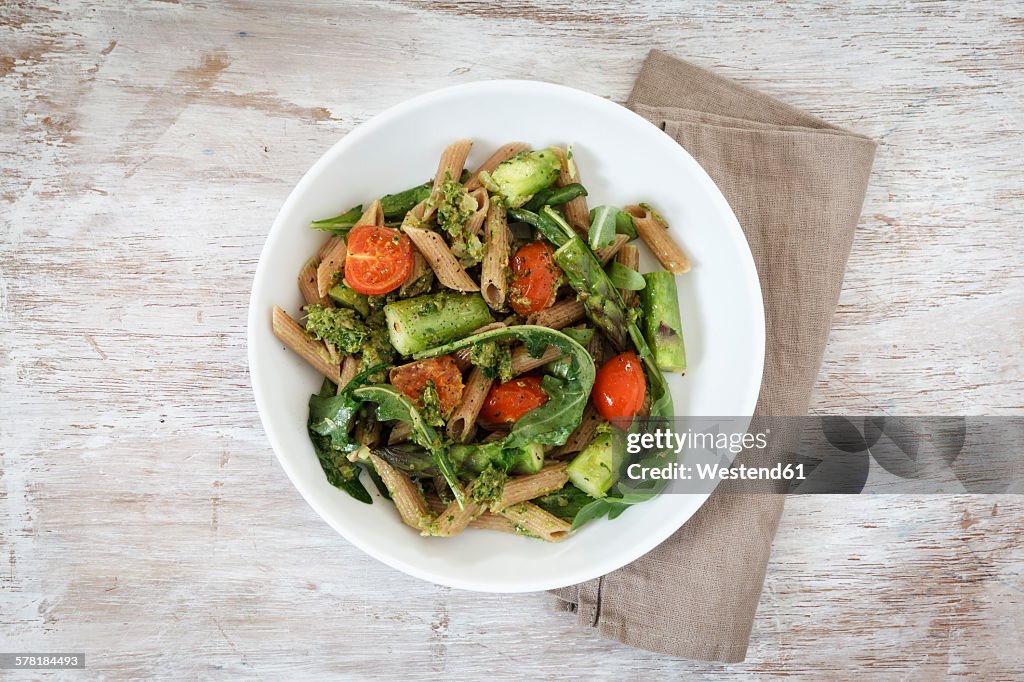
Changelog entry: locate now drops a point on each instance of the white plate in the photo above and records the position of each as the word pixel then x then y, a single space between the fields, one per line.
pixel 622 159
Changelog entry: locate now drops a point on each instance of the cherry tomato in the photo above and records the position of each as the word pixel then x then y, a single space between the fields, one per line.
pixel 507 403
pixel 535 278
pixel 379 259
pixel 619 389
pixel 410 379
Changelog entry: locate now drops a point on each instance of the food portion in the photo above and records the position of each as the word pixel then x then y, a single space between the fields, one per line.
pixel 483 338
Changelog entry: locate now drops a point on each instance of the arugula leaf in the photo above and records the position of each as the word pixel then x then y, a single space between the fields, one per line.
pixel 392 406
pixel 602 227
pixel 626 278
pixel 551 423
pixel 341 224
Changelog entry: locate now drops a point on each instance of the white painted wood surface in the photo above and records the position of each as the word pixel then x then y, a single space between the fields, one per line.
pixel 144 150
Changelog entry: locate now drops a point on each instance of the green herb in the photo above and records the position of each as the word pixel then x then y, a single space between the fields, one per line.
pixel 493 359
pixel 623 277
pixel 341 224
pixel 340 326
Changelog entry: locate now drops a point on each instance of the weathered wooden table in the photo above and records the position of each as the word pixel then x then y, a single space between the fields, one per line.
pixel 144 150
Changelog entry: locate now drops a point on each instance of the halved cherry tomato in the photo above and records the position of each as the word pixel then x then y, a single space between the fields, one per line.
pixel 535 278
pixel 410 379
pixel 378 261
pixel 619 389
pixel 508 402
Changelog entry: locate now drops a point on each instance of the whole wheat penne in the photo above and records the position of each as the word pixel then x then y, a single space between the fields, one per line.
pixel 629 256
pixel 419 268
pixel 596 347
pixel 483 204
pixel 406 495
pixel 368 432
pixel 436 252
pixel 655 234
pixel 576 211
pixel 607 253
pixel 523 488
pixel 309 349
pixel 494 271
pixel 505 151
pixel 561 314
pixel 490 521
pixel 327 246
pixel 453 160
pixel 462 356
pixel 330 265
pixel 307 285
pixel 462 423
pixel 581 435
pixel 349 369
pixel 373 215
pixel 454 519
pixel 486 521
pixel 535 520
pixel 523 362
pixel 401 432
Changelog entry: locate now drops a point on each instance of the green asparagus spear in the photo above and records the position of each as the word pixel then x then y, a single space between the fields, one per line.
pixel 662 326
pixel 398 204
pixel 555 196
pixel 416 324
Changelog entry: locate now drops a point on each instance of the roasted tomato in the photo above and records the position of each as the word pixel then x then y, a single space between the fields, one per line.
pixel 619 389
pixel 410 379
pixel 535 278
pixel 379 259
pixel 508 402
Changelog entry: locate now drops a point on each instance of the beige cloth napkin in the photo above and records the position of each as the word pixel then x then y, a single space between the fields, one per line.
pixel 796 185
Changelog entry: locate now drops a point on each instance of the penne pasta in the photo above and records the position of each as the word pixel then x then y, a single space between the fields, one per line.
pixel 406 495
pixel 437 254
pixel 532 519
pixel 453 160
pixel 309 349
pixel 560 315
pixel 308 288
pixel 331 264
pixel 349 369
pixel 494 271
pixel 522 362
pixel 462 423
pixel 523 488
pixel 607 253
pixel 576 211
pixel 454 519
pixel 400 433
pixel 327 246
pixel 629 256
pixel 373 215
pixel 490 521
pixel 655 234
pixel 581 435
pixel 419 268
pixel 505 151
pixel 483 204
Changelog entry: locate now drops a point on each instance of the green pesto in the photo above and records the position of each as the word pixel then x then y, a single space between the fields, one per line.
pixel 431 402
pixel 454 208
pixel 339 326
pixel 493 359
pixel 489 485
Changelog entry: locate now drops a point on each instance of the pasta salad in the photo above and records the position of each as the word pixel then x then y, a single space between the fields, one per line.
pixel 481 336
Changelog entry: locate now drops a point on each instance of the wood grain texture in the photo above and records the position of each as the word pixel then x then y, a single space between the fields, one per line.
pixel 145 148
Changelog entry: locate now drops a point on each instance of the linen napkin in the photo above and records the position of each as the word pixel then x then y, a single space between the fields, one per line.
pixel 796 184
